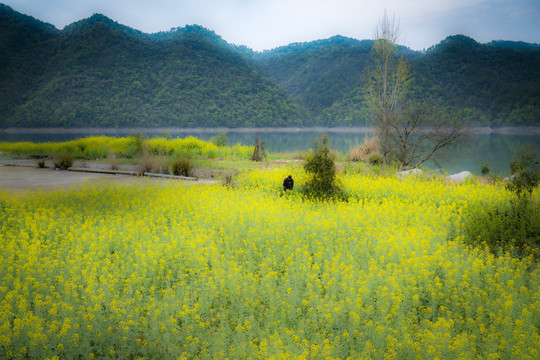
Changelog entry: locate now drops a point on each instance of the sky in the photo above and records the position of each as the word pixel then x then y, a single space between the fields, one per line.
pixel 266 24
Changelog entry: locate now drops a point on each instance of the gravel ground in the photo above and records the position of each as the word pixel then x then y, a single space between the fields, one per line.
pixel 23 174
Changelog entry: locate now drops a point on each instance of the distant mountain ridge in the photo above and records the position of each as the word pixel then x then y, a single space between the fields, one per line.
pixel 96 72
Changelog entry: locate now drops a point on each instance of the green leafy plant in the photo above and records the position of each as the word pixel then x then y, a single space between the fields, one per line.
pixel 512 225
pixel 220 139
pixel 321 170
pixel 524 171
pixel 136 145
pixel 375 159
pixel 484 169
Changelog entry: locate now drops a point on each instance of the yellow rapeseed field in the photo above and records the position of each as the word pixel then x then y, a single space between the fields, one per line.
pixel 150 270
pixel 92 147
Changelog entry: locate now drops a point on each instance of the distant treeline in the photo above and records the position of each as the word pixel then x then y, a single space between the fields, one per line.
pixel 97 72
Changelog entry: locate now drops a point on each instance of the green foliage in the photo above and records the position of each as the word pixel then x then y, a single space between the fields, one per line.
pixel 492 85
pixel 220 139
pixel 513 224
pixel 63 161
pixel 97 72
pixel 320 168
pixel 182 167
pixel 524 172
pixel 375 159
pixel 505 226
pixel 485 169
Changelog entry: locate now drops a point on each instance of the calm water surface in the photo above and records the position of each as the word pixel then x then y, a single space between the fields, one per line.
pixel 494 149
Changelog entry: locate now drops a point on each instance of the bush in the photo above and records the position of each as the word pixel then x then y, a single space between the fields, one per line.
pixel 220 139
pixel 321 171
pixel 41 163
pixel 524 173
pixel 484 169
pixel 182 167
pixel 515 224
pixel 63 162
pixel 375 159
pixel 136 145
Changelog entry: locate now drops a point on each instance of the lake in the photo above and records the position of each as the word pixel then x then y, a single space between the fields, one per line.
pixel 495 148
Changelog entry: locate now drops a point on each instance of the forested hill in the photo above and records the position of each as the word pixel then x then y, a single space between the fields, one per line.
pixel 491 84
pixel 97 72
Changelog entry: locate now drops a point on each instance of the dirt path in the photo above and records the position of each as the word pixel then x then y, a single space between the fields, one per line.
pixel 24 175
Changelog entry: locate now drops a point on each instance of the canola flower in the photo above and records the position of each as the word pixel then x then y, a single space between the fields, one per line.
pixel 148 270
pixel 103 146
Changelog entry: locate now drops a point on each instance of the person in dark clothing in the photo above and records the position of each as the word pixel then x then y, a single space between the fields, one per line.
pixel 288 183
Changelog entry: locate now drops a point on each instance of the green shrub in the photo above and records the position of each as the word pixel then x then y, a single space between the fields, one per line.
pixel 63 162
pixel 515 224
pixel 321 173
pixel 524 173
pixel 219 139
pixel 484 169
pixel 375 159
pixel 136 145
pixel 182 167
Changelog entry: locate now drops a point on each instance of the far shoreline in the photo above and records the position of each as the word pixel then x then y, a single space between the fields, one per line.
pixel 484 130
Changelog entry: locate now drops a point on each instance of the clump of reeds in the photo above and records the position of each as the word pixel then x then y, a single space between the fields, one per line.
pixel 113 161
pixel 182 167
pixel 364 152
pixel 63 162
pixel 147 163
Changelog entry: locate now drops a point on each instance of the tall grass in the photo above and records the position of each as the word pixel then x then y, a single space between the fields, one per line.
pixel 149 270
pixel 366 152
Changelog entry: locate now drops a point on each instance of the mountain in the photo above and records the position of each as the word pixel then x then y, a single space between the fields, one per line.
pixel 496 83
pixel 96 72
pixel 318 73
pixel 489 84
pixel 26 45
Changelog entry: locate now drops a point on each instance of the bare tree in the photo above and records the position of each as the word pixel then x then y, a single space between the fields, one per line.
pixel 422 133
pixel 412 132
pixel 388 80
